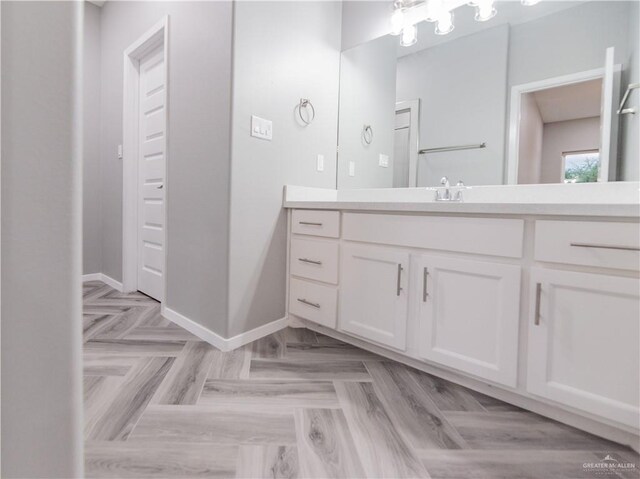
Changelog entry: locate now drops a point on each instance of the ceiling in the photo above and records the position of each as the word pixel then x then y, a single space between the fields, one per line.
pixel 570 102
pixel 509 12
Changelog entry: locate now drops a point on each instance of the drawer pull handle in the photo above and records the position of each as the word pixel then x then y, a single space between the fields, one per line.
pixel 605 246
pixel 398 287
pixel 306 260
pixel 309 303
pixel 425 276
pixel 309 223
pixel 536 319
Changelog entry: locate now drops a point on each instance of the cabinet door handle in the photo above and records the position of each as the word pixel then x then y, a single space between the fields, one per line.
pixel 309 223
pixel 399 288
pixel 306 260
pixel 425 276
pixel 536 319
pixel 604 246
pixel 309 303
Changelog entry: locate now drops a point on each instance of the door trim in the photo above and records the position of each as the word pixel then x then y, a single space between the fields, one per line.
pixel 157 36
pixel 514 111
pixel 414 136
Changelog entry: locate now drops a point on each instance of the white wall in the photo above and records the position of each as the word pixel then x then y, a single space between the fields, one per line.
pixel 462 86
pixel 283 51
pixel 198 164
pixel 41 240
pixel 530 143
pixel 91 200
pixel 367 97
pixel 363 21
pixel 564 136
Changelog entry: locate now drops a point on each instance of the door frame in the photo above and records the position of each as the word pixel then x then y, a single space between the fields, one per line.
pixel 156 36
pixel 414 136
pixel 515 110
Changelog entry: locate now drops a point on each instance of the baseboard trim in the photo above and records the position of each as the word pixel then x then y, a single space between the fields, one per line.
pixel 257 333
pixel 223 344
pixel 117 285
pixel 194 328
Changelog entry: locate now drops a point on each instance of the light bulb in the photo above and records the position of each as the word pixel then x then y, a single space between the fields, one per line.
pixel 530 3
pixel 397 21
pixel 445 23
pixel 485 10
pixel 409 36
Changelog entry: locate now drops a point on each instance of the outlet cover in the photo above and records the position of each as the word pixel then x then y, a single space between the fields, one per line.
pixel 352 168
pixel 383 161
pixel 320 163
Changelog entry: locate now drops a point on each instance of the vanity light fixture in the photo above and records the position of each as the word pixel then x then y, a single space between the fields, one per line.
pixel 408 13
pixel 397 19
pixel 485 10
pixel 445 24
pixel 409 36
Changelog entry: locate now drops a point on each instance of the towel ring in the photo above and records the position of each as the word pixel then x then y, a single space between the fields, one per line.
pixel 306 104
pixel 367 134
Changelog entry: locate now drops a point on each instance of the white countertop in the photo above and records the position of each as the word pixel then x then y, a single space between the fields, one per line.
pixel 616 199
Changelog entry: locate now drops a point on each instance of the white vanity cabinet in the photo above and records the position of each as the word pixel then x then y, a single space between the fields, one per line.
pixel 541 311
pixel 374 293
pixel 468 315
pixel 584 327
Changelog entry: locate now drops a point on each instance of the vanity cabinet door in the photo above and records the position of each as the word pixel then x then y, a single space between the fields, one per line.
pixel 583 342
pixel 468 315
pixel 374 293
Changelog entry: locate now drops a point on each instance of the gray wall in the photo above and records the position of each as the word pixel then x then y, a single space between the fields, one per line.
pixel 363 21
pixel 283 51
pixel 198 148
pixel 41 240
pixel 367 97
pixel 462 86
pixel 575 40
pixel 91 219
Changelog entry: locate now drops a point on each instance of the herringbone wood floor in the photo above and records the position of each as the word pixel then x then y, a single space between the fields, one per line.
pixel 161 403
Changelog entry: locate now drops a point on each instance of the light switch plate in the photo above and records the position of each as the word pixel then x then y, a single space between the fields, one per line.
pixel 120 154
pixel 261 128
pixel 352 168
pixel 383 161
pixel 320 163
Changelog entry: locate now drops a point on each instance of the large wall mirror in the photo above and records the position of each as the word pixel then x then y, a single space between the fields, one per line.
pixel 530 96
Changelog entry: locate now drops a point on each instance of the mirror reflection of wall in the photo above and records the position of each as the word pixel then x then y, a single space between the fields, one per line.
pixel 560 134
pixel 462 85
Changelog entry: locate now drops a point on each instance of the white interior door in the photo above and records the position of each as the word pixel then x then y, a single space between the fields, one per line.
pixel 401 149
pixel 151 174
pixel 609 119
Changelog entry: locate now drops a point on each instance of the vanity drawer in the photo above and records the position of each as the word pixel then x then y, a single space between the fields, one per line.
pixel 488 236
pixel 315 259
pixel 588 243
pixel 312 301
pixel 316 223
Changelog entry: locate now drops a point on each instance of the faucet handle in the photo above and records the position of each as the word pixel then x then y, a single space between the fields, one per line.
pixel 460 183
pixel 445 181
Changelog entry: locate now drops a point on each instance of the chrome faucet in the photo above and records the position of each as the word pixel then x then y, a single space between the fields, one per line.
pixel 446 194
